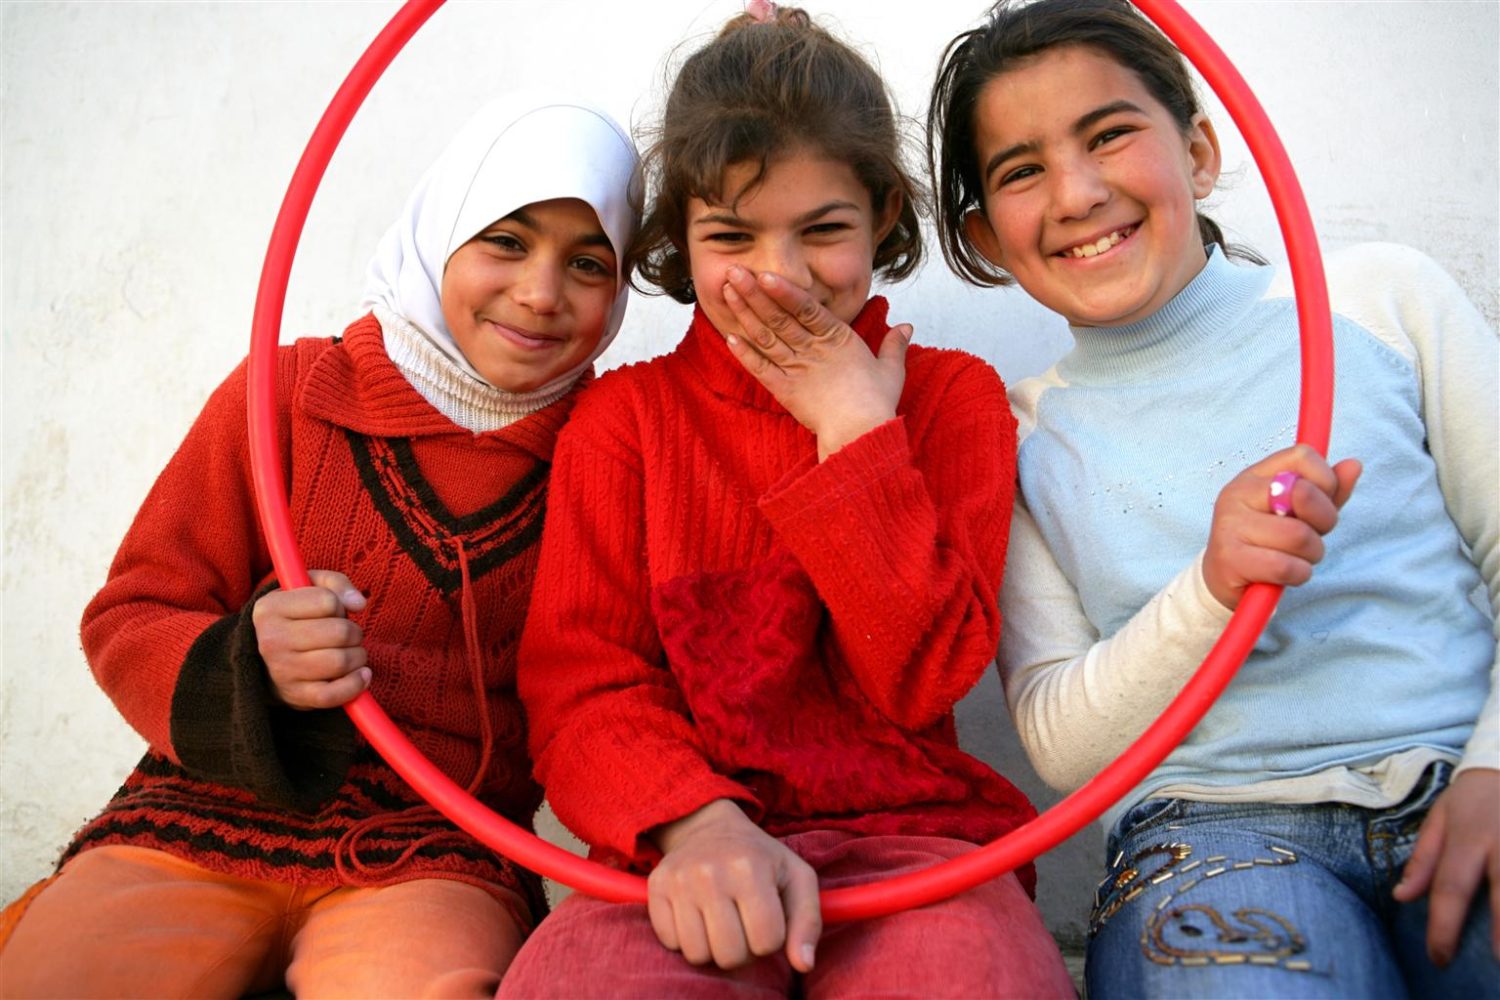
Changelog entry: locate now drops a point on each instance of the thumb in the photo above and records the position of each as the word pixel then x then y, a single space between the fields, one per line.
pixel 343 588
pixel 1347 473
pixel 1416 877
pixel 893 347
pixel 804 918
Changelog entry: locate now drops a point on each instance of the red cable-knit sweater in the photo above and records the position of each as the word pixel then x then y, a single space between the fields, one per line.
pixel 717 615
pixel 388 491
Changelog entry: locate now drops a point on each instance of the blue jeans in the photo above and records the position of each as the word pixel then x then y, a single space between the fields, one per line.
pixel 1263 900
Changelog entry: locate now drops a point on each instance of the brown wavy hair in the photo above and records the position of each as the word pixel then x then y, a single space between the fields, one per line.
pixel 757 91
pixel 1015 30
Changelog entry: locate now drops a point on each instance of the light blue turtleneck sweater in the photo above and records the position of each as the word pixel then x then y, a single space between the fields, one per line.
pixel 1377 666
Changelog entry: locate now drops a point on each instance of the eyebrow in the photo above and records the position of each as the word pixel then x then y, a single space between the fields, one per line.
pixel 592 238
pixel 1083 124
pixel 727 217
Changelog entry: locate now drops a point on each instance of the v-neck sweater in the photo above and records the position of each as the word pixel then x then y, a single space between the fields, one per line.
pixel 416 511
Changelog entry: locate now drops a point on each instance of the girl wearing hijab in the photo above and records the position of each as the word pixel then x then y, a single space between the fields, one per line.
pixel 260 843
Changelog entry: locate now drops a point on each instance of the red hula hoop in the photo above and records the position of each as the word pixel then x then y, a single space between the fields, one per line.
pixel 892 895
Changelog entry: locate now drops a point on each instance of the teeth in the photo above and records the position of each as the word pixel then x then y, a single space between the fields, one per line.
pixel 1095 249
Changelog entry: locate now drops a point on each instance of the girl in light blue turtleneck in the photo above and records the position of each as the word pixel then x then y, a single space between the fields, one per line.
pixel 1329 828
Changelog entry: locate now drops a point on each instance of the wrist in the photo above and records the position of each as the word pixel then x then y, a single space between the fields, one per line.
pixel 846 431
pixel 716 813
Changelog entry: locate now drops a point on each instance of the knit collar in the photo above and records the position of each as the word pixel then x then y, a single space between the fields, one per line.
pixel 1179 335
pixel 361 389
pixel 466 399
pixel 705 351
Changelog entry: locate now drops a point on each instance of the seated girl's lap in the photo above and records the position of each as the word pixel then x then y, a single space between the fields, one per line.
pixel 1213 899
pixel 989 941
pixel 131 921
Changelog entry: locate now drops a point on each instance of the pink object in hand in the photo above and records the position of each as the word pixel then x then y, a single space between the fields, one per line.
pixel 1281 493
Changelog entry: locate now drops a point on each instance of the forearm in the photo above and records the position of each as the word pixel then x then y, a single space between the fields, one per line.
pixel 906 552
pixel 1079 700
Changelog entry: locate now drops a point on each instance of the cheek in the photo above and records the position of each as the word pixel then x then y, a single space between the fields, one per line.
pixel 709 276
pixel 848 273
pixel 1014 231
pixel 597 318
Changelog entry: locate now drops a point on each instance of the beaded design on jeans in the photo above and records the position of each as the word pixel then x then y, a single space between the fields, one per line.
pixel 1173 928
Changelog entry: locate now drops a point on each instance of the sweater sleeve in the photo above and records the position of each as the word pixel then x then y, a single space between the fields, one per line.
pixel 1079 701
pixel 610 732
pixel 1407 300
pixel 169 637
pixel 903 533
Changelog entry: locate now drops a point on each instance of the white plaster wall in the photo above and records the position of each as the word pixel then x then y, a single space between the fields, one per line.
pixel 147 147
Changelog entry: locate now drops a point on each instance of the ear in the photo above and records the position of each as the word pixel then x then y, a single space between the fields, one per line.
pixel 981 234
pixel 890 213
pixel 1203 155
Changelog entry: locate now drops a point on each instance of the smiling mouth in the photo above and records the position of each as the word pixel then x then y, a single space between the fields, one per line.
pixel 1102 245
pixel 525 337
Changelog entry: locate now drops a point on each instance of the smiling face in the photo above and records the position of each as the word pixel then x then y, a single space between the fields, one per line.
pixel 808 219
pixel 529 297
pixel 1089 187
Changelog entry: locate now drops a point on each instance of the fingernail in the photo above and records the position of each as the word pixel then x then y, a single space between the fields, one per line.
pixel 767 279
pixel 737 274
pixel 807 955
pixel 365 675
pixel 730 295
pixel 906 332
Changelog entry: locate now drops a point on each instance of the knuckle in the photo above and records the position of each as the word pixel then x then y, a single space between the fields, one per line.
pixel 741 868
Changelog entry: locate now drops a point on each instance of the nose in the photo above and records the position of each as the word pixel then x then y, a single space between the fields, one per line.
pixel 539 285
pixel 787 258
pixel 1078 187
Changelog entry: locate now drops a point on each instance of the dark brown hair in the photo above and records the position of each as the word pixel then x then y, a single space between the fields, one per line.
pixel 761 90
pixel 1015 30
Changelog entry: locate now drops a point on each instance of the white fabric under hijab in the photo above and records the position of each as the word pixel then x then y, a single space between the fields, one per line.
pixel 515 151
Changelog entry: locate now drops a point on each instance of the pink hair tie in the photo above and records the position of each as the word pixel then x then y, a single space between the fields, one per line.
pixel 764 11
pixel 1281 493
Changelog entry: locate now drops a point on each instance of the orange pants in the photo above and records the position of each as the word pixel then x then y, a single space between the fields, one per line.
pixel 133 922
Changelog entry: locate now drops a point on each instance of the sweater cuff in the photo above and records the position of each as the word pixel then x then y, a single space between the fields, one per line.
pixel 811 487
pixel 228 728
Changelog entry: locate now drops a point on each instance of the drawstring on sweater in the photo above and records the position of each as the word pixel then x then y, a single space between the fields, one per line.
pixel 346 860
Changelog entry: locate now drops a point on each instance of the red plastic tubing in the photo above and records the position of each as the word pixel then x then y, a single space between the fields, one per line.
pixel 919 888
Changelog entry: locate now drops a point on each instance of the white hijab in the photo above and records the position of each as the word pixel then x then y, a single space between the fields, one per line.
pixel 517 150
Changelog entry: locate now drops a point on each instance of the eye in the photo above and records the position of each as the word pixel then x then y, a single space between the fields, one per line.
pixel 1019 174
pixel 1110 135
pixel 593 267
pixel 727 236
pixel 505 241
pixel 826 228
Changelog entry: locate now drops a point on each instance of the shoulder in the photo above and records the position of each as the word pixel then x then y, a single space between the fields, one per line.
pixel 1395 293
pixel 1026 397
pixel 623 387
pixel 612 408
pixel 942 376
pixel 291 362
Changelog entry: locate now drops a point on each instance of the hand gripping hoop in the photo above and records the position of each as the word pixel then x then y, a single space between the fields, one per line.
pixel 873 899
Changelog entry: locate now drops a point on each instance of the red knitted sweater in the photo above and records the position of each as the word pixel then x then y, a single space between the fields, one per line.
pixel 718 615
pixel 420 514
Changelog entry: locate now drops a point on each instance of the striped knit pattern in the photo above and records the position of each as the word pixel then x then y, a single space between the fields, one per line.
pixel 416 511
pixel 728 617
